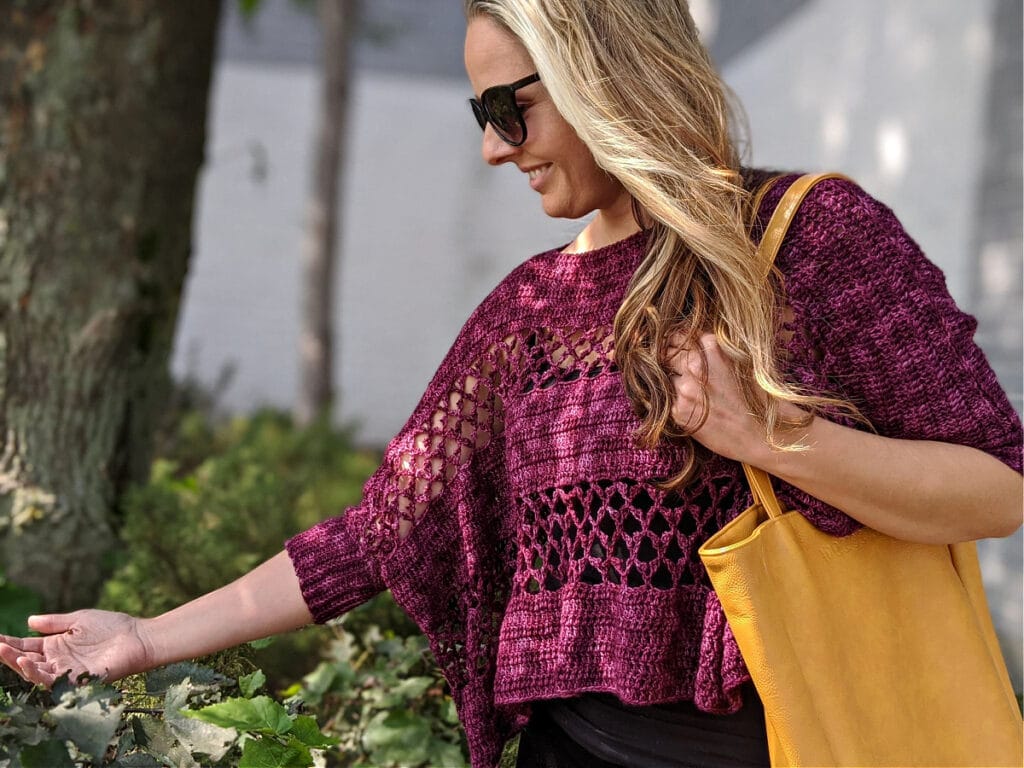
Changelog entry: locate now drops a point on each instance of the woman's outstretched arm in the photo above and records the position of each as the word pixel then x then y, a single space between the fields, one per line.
pixel 264 602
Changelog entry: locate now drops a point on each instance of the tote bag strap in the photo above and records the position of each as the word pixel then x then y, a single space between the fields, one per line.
pixel 759 480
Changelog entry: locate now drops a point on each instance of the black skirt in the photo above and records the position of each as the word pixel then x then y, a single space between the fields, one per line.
pixel 597 730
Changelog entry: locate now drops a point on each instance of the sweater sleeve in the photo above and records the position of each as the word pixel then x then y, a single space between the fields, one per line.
pixel 438 468
pixel 885 332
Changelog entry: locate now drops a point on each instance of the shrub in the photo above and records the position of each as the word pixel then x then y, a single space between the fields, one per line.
pixel 384 699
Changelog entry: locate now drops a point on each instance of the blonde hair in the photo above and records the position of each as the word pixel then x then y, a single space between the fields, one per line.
pixel 635 82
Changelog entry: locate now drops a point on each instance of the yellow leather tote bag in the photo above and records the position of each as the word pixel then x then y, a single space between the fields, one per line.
pixel 866 650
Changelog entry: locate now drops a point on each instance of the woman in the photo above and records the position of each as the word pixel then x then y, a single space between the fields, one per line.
pixel 540 513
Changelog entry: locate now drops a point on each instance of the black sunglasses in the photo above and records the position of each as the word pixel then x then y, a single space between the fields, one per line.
pixel 497 106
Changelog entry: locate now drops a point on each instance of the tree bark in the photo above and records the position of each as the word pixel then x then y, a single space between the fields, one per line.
pixel 102 125
pixel 316 345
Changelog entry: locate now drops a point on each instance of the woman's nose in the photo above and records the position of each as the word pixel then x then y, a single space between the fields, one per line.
pixel 494 150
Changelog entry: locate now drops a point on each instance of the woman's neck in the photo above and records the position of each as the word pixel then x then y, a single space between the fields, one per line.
pixel 609 225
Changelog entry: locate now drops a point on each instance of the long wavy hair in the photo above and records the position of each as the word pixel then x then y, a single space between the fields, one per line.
pixel 635 82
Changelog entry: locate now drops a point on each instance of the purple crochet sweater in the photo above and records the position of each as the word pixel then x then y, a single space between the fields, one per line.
pixel 516 522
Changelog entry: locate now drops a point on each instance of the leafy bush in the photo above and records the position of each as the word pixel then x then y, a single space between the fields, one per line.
pixel 205 519
pixel 222 497
pixel 385 700
pixel 186 716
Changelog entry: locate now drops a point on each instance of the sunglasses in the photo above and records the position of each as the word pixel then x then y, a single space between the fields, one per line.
pixel 497 106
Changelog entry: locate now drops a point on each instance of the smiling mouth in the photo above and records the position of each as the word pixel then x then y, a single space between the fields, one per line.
pixel 537 173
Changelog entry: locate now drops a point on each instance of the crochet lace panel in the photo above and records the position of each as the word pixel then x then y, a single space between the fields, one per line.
pixel 548 356
pixel 621 532
pixel 471 415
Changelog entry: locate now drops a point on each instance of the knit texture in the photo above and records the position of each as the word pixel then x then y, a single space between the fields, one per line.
pixel 516 521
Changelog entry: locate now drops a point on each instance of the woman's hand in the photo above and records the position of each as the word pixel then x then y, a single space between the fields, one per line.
pixel 729 429
pixel 102 643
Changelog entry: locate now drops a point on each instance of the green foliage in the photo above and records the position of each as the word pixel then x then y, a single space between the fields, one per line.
pixel 388 703
pixel 222 498
pixel 187 716
pixel 16 605
pixel 250 8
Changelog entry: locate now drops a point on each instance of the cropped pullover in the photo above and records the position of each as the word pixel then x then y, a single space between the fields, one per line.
pixel 517 522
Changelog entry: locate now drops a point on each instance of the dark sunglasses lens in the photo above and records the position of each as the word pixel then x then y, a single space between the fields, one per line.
pixel 504 114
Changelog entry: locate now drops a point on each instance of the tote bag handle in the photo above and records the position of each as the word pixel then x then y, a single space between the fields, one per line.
pixel 759 480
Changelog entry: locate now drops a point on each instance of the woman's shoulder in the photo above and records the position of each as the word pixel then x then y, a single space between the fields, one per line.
pixel 834 198
pixel 840 234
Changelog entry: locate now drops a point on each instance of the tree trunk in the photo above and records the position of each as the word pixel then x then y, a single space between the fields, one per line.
pixel 316 345
pixel 102 123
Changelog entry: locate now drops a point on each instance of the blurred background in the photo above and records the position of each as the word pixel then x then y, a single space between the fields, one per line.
pixel 918 100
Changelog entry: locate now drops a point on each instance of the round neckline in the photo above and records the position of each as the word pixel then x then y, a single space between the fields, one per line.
pixel 603 250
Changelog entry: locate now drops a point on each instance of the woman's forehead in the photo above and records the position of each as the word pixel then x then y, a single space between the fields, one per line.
pixel 493 56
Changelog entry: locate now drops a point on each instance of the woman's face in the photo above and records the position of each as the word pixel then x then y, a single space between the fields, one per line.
pixel 557 163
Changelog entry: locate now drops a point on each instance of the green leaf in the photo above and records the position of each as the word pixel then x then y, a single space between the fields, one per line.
pixel 448 711
pixel 266 753
pixel 308 732
pixel 137 760
pixel 260 714
pixel 159 680
pixel 319 681
pixel 91 726
pixel 153 735
pixel 413 687
pixel 397 737
pixel 194 735
pixel 441 752
pixel 262 643
pixel 248 7
pixel 48 754
pixel 249 684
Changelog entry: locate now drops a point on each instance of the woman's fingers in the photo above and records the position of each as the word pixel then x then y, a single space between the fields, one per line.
pixel 39 672
pixel 51 623
pixel 28 644
pixel 9 654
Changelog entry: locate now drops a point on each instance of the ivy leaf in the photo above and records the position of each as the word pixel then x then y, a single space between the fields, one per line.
pixel 413 687
pixel 90 726
pixel 261 714
pixel 397 737
pixel 318 682
pixel 266 753
pixel 445 753
pixel 137 760
pixel 403 692
pixel 47 754
pixel 308 732
pixel 249 684
pixel 159 680
pixel 449 713
pixel 195 735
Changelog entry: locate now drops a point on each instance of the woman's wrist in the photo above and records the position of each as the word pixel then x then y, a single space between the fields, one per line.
pixel 154 652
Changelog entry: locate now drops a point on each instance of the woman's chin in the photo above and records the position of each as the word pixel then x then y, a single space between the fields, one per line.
pixel 558 209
